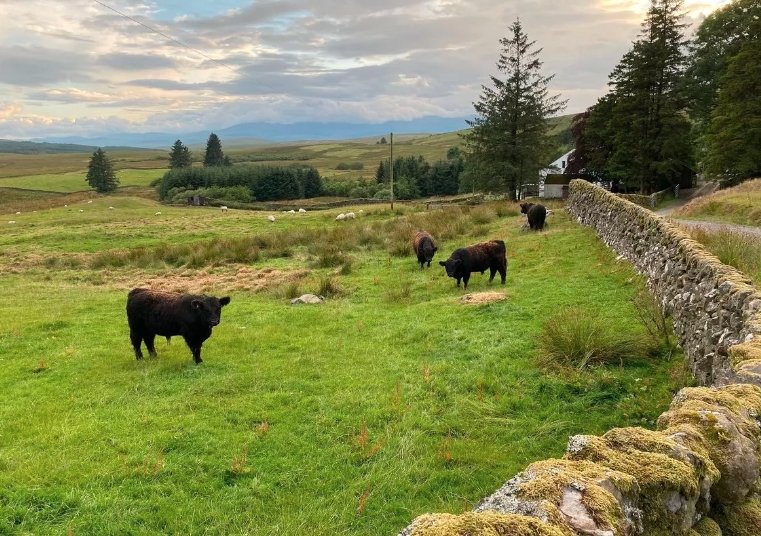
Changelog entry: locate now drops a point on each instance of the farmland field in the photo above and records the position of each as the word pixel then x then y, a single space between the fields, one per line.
pixel 352 417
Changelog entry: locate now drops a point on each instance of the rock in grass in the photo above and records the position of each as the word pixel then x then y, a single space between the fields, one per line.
pixel 307 298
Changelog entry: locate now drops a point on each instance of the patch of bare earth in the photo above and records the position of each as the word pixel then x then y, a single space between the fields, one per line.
pixel 218 279
pixel 479 298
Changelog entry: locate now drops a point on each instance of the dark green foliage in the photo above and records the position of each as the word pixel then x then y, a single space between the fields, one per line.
pixel 214 155
pixel 508 142
pixel 266 183
pixel 342 166
pixel 100 173
pixel 414 177
pixel 638 134
pixel 717 40
pixel 179 156
pixel 733 138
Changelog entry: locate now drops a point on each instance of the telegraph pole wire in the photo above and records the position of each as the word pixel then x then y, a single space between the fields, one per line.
pixel 167 37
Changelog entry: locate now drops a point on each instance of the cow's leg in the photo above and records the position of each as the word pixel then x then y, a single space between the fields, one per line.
pixel 429 264
pixel 503 271
pixel 195 349
pixel 136 339
pixel 458 282
pixel 492 271
pixel 149 339
pixel 465 280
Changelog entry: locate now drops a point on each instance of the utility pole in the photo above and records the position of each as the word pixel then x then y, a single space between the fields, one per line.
pixel 392 171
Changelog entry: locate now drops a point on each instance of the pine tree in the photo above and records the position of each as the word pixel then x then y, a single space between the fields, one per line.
pixel 179 156
pixel 638 133
pixel 214 155
pixel 100 173
pixel 508 141
pixel 734 132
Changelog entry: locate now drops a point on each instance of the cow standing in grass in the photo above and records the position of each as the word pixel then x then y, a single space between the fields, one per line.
pixel 477 258
pixel 536 214
pixel 424 247
pixel 151 313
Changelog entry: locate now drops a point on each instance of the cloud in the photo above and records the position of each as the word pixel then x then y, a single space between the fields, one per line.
pixel 289 60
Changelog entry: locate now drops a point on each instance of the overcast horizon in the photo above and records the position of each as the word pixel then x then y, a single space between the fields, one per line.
pixel 80 69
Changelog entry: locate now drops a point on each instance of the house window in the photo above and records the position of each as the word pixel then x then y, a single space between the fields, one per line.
pixel 563 164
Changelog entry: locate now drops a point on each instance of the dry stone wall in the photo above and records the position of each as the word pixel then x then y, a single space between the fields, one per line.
pixel 699 472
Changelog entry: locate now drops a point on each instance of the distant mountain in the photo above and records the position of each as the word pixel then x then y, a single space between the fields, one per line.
pixel 35 147
pixel 273 132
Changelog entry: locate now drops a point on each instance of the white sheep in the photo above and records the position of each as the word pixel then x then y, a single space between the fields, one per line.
pixel 271 218
pixel 110 208
pixel 90 201
pixel 66 205
pixel 291 211
pixel 158 214
pixel 11 221
pixel 341 217
pixel 223 208
pixel 350 215
pixel 17 213
pixel 80 210
pixel 301 210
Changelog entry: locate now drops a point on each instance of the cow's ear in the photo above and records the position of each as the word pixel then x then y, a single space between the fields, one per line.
pixel 442 263
pixel 435 248
pixel 197 304
pixel 224 301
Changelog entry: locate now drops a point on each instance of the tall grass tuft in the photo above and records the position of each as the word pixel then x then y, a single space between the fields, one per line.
pixel 654 319
pixel 740 250
pixel 330 288
pixel 579 338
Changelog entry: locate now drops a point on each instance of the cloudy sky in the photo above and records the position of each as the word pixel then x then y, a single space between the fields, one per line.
pixel 78 68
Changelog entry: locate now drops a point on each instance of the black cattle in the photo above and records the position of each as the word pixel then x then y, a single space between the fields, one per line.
pixel 536 215
pixel 477 258
pixel 424 248
pixel 151 313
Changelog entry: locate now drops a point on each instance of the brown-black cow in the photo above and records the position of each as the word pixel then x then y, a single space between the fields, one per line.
pixel 424 247
pixel 151 313
pixel 477 258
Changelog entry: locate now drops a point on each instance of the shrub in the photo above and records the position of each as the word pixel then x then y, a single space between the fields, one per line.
pixel 581 339
pixel 329 288
pixel 652 316
pixel 482 215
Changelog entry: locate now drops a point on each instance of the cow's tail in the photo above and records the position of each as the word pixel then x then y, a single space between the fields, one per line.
pixel 501 246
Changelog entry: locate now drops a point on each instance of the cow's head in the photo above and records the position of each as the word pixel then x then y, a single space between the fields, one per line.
pixel 525 207
pixel 209 308
pixel 428 251
pixel 451 265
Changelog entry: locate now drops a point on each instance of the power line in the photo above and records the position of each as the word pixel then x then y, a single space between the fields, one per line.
pixel 168 37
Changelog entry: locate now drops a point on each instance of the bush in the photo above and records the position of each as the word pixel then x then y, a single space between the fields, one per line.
pixel 329 288
pixel 581 339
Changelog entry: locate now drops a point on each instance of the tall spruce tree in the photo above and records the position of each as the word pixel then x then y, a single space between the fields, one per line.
pixel 214 155
pixel 638 134
pixel 179 156
pixel 733 138
pixel 508 141
pixel 100 173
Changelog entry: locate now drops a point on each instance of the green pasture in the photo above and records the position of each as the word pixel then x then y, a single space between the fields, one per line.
pixel 390 400
pixel 74 181
pixel 739 205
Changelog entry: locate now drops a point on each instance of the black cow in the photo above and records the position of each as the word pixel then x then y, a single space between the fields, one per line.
pixel 477 258
pixel 536 215
pixel 151 313
pixel 424 248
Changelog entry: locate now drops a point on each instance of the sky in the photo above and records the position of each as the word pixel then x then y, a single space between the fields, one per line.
pixel 78 68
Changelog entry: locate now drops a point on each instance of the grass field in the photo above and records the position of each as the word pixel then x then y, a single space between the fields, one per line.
pixel 352 417
pixel 740 204
pixel 19 165
pixel 74 181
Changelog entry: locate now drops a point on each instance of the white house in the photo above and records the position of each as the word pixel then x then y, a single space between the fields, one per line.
pixel 557 167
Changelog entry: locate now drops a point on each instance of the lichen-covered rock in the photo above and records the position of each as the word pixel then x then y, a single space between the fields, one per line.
pixel 706 527
pixel 743 519
pixel 479 524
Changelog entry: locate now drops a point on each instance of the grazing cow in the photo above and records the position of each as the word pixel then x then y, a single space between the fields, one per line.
pixel 477 258
pixel 535 214
pixel 151 313
pixel 424 247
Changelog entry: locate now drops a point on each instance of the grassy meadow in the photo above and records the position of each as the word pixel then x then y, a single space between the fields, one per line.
pixel 739 205
pixel 391 399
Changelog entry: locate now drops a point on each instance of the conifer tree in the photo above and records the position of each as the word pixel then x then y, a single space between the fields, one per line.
pixel 179 156
pixel 214 155
pixel 100 173
pixel 508 141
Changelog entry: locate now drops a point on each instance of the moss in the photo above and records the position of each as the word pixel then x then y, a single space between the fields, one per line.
pixel 481 524
pixel 550 478
pixel 649 457
pixel 749 351
pixel 738 398
pixel 743 519
pixel 707 527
